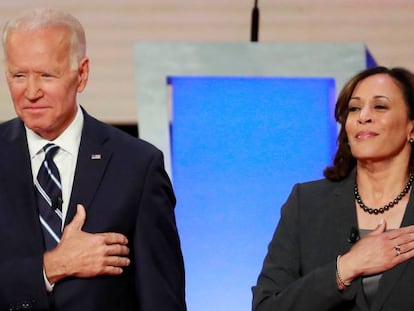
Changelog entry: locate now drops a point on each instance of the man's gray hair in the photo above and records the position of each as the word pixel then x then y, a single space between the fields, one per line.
pixel 43 18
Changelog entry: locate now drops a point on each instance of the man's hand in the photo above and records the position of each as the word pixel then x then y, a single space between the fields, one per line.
pixel 83 254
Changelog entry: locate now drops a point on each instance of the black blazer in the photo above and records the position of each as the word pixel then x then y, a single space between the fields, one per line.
pixel 126 191
pixel 299 270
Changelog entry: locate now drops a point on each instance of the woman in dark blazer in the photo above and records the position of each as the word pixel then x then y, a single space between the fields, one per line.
pixel 346 242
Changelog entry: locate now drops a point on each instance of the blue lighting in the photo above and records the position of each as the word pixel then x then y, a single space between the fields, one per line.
pixel 239 144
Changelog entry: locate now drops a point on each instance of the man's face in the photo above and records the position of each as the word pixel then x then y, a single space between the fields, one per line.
pixel 42 84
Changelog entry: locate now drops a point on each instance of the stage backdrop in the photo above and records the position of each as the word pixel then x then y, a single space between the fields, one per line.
pixel 154 61
pixel 238 146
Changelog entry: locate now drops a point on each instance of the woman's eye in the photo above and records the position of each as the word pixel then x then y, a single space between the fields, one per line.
pixel 380 107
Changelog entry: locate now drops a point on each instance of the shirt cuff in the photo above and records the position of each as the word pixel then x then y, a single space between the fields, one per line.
pixel 49 286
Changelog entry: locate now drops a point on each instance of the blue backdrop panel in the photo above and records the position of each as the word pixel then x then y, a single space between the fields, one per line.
pixel 238 146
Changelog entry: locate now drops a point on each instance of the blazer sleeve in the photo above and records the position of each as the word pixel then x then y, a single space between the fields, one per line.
pixel 22 284
pixel 159 263
pixel 282 285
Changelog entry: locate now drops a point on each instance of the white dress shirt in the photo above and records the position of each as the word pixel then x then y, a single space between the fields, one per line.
pixel 65 160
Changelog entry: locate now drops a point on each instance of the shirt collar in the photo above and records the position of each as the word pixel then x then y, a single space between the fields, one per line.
pixel 68 141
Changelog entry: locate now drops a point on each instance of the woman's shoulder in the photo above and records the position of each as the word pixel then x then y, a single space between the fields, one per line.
pixel 318 183
pixel 323 186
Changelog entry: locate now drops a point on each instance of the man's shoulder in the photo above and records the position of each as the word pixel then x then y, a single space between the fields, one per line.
pixel 118 139
pixel 11 129
pixel 10 123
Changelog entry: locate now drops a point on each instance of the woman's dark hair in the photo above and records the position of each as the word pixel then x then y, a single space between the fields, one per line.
pixel 344 162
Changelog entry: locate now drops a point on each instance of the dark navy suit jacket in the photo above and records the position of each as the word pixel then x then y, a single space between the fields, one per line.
pixel 299 270
pixel 127 190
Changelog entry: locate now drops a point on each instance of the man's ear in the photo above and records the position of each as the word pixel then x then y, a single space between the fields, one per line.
pixel 83 74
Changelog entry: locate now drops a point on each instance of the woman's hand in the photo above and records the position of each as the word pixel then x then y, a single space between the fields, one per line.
pixel 377 252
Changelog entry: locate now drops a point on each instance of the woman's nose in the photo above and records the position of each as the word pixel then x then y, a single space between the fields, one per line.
pixel 365 116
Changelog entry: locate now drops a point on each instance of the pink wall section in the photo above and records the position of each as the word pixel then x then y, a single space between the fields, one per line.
pixel 113 25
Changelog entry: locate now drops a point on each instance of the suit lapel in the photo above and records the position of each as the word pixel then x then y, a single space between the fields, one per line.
pixel 92 162
pixel 17 179
pixel 390 277
pixel 346 218
pixel 346 214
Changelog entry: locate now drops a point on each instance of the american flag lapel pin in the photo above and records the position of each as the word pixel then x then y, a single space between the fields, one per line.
pixel 96 156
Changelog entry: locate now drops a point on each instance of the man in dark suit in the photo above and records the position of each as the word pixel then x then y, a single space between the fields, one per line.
pixel 119 248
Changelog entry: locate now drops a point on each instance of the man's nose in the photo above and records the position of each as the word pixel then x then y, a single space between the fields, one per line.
pixel 33 89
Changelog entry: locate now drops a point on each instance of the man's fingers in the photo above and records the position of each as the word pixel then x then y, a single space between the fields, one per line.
pixel 110 238
pixel 111 270
pixel 116 261
pixel 79 220
pixel 117 250
pixel 112 265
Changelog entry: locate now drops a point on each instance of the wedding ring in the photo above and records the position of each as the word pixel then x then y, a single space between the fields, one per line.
pixel 397 250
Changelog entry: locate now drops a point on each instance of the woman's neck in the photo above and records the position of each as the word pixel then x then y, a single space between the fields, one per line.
pixel 376 188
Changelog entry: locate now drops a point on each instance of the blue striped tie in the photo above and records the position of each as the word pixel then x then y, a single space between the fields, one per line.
pixel 49 198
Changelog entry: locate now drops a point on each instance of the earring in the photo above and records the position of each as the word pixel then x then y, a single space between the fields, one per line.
pixel 411 140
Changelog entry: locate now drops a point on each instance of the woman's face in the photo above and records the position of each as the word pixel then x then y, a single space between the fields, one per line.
pixel 378 125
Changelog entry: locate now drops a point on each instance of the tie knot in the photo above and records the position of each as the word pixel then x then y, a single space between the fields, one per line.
pixel 50 150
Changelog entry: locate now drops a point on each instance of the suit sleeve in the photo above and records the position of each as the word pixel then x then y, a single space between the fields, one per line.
pixel 159 262
pixel 281 284
pixel 22 284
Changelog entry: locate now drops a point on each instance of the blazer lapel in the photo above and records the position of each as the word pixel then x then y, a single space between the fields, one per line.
pixel 389 278
pixel 17 178
pixel 345 220
pixel 93 159
pixel 346 214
